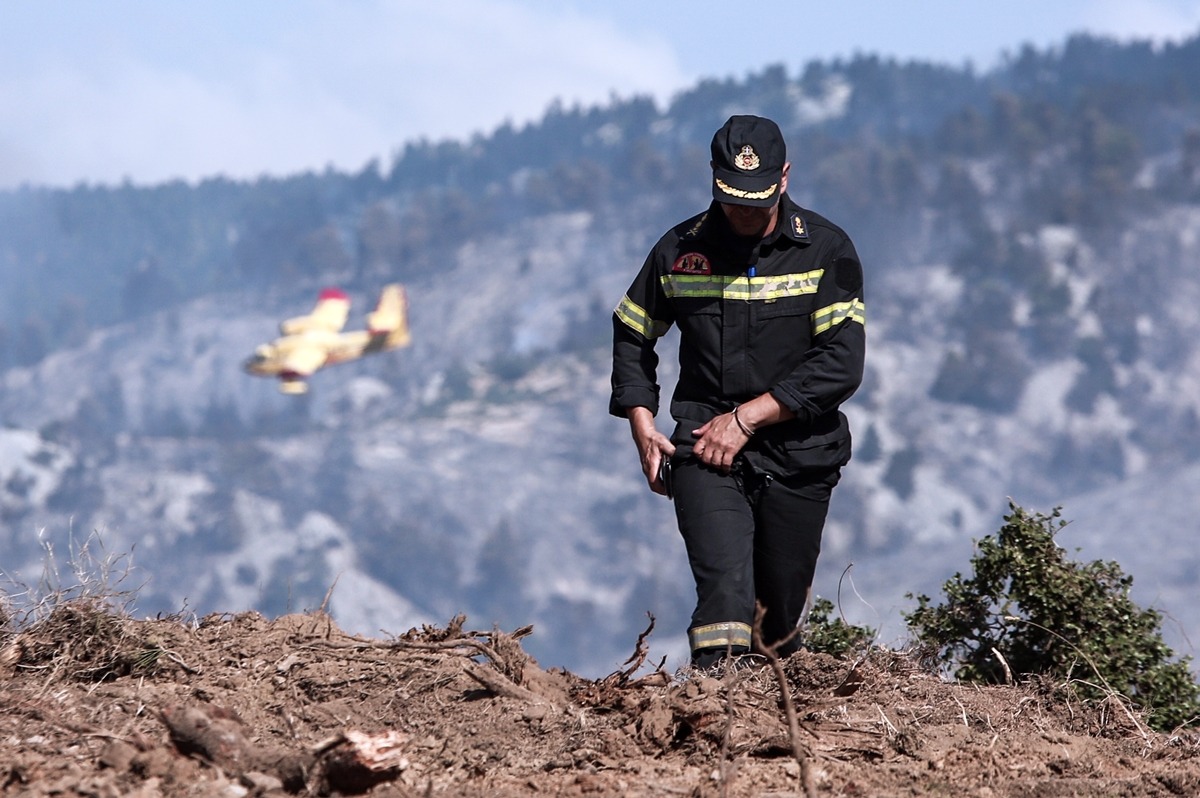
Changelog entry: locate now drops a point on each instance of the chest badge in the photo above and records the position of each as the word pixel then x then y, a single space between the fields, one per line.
pixel 692 263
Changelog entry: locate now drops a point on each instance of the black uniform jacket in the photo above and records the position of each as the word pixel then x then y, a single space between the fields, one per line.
pixel 783 315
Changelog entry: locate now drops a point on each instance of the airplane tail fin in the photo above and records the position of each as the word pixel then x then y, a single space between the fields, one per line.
pixel 390 317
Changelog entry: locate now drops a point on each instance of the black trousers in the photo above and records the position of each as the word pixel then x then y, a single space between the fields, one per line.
pixel 749 537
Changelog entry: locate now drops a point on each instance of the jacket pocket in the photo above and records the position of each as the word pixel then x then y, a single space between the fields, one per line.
pixel 823 444
pixel 787 306
pixel 830 450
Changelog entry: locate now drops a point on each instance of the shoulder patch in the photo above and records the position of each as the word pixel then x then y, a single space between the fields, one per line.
pixel 692 263
pixel 848 274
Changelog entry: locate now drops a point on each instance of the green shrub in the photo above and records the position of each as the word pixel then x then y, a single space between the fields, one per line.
pixel 834 637
pixel 1045 614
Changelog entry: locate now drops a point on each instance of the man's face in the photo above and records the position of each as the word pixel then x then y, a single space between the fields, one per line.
pixel 749 221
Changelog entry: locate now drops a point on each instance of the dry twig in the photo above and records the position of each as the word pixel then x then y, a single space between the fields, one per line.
pixel 789 709
pixel 622 678
pixel 500 684
pixel 1120 697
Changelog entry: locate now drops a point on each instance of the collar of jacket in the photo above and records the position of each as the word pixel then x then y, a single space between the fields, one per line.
pixel 791 224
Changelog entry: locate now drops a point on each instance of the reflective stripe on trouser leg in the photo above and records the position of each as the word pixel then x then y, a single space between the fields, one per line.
pixel 720 635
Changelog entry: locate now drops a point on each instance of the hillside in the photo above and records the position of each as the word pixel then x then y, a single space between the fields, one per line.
pixel 1029 236
pixel 98 704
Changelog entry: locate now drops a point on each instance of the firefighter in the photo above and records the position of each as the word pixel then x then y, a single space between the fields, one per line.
pixel 768 298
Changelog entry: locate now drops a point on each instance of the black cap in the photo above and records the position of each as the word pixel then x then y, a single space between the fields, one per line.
pixel 748 155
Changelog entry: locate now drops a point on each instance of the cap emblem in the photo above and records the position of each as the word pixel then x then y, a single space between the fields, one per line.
pixel 746 159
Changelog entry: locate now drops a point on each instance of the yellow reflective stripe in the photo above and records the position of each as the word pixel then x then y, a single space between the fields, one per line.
pixel 785 285
pixel 635 318
pixel 698 285
pixel 835 314
pixel 719 635
pixel 740 287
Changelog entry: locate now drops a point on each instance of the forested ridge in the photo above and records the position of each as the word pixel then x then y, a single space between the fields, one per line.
pixel 1087 133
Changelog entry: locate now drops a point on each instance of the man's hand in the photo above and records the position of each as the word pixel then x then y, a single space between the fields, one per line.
pixel 719 441
pixel 652 446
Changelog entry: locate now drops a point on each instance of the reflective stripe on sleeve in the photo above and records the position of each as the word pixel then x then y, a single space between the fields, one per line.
pixel 719 635
pixel 635 318
pixel 832 315
pixel 740 287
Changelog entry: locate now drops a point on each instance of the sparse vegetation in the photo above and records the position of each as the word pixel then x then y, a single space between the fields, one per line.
pixel 74 622
pixel 85 574
pixel 832 635
pixel 1028 609
pixel 84 640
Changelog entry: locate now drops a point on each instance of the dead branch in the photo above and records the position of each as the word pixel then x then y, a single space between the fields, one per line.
pixel 499 684
pixel 622 678
pixel 640 649
pixel 324 608
pixel 360 761
pixel 216 735
pixel 728 768
pixel 789 709
pixel 1008 676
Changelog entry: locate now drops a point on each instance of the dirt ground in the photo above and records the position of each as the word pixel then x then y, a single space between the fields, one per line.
pixel 93 703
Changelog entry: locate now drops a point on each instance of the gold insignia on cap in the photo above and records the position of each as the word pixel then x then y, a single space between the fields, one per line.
pixel 753 195
pixel 747 159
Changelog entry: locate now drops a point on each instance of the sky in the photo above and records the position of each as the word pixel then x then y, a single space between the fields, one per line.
pixel 148 91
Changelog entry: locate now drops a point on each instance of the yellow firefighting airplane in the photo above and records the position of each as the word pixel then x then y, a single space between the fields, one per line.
pixel 314 341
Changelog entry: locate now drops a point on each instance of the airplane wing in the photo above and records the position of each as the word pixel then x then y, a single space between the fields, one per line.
pixel 303 360
pixel 329 314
